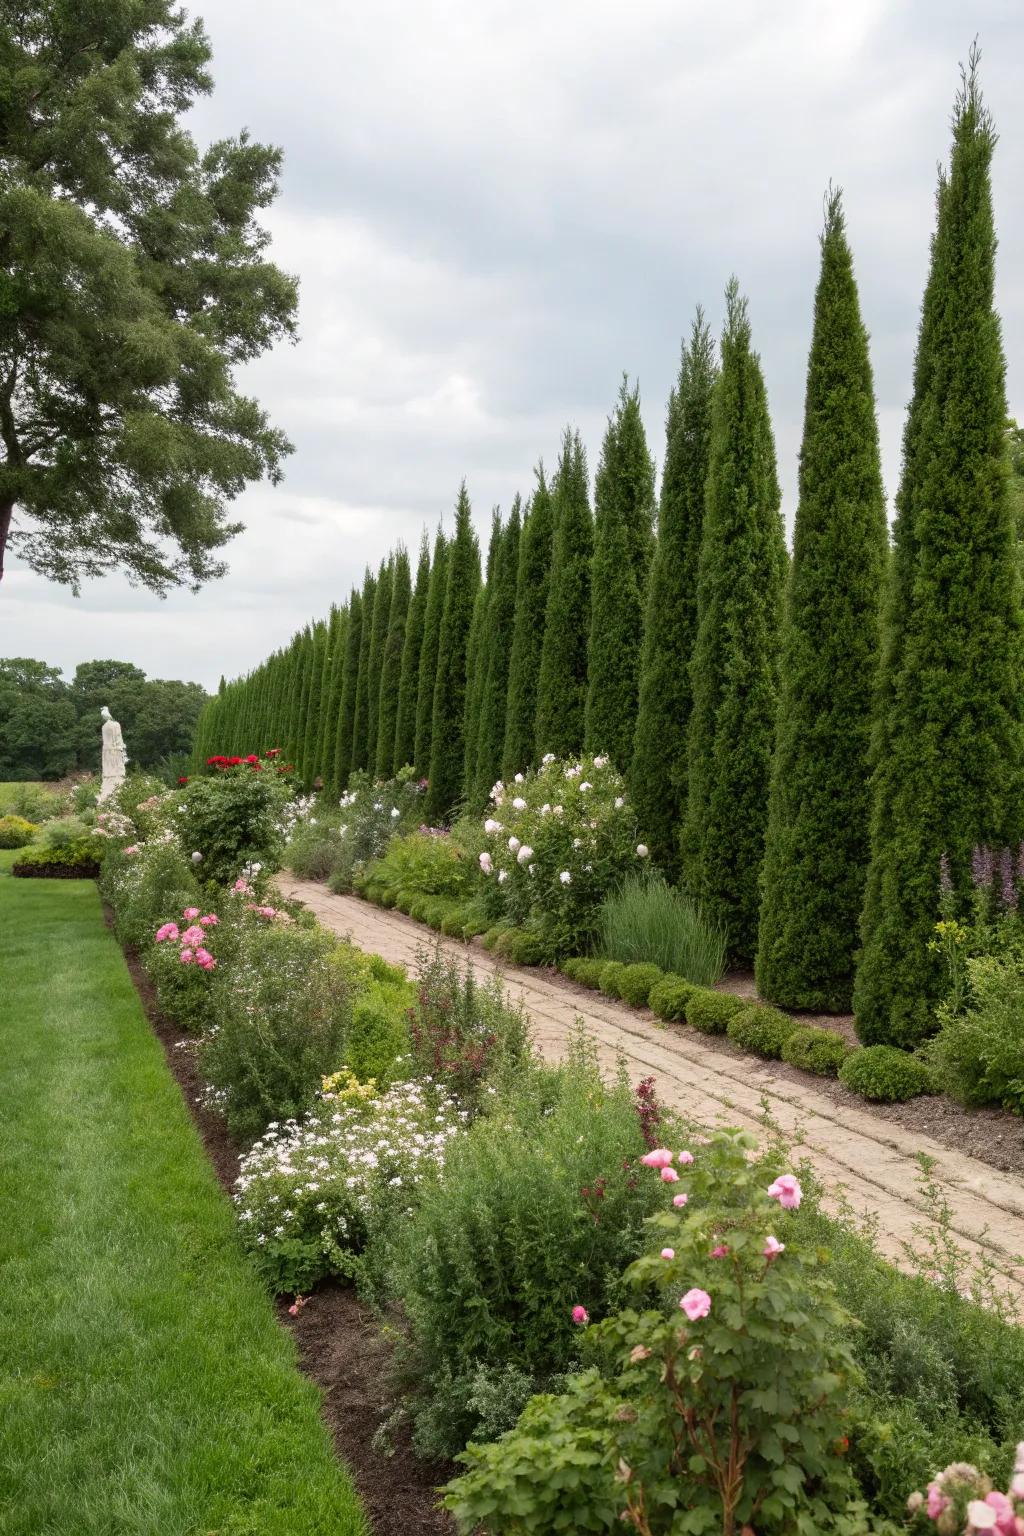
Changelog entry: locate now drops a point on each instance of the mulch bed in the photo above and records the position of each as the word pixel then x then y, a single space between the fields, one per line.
pixel 339 1340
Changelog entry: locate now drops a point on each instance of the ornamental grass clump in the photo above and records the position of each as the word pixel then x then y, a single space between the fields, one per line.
pixel 719 1401
pixel 558 839
pixel 310 1196
pixel 647 920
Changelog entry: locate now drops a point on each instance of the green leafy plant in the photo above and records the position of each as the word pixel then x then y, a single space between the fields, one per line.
pixel 78 860
pixel 16 831
pixel 885 1074
pixel 761 1029
pixel 232 819
pixel 978 1055
pixel 821 1051
pixel 636 982
pixel 647 920
pixel 669 997
pixel 584 970
pixel 148 888
pixel 710 1012
pixel 610 979
pixel 465 1033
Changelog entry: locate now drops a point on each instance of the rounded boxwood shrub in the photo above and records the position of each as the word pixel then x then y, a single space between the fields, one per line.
pixel 16 832
pixel 610 978
pixel 520 946
pixel 670 995
pixel 492 935
pixel 453 922
pixel 762 1030
pixel 584 969
pixel 885 1074
pixel 710 1012
pixel 821 1051
pixel 636 982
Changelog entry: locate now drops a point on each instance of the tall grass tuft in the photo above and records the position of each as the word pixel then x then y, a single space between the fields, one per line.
pixel 647 920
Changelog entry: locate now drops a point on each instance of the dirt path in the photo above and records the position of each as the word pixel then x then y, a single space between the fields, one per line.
pixel 859 1157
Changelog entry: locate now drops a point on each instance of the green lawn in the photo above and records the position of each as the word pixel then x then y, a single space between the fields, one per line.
pixel 145 1386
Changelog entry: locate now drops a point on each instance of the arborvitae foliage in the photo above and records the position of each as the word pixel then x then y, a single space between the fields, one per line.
pixel 532 579
pixel 562 685
pixel 378 634
pixel 497 649
pixel 476 661
pixel 624 516
pixel 303 668
pixel 734 672
pixel 446 749
pixel 659 770
pixel 405 725
pixel 948 774
pixel 428 653
pixel 391 670
pixel 344 733
pixel 336 640
pixel 311 732
pixel 817 845
pixel 360 724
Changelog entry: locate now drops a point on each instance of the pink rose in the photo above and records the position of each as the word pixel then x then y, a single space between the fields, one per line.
pixel 937 1501
pixel 772 1248
pixel 669 1176
pixel 187 957
pixel 166 931
pixel 786 1190
pixel 190 913
pixel 239 885
pixel 661 1157
pixel 721 1251
pixel 580 1315
pixel 210 920
pixel 193 935
pixel 696 1304
pixel 668 1253
pixel 684 1159
pixel 679 1201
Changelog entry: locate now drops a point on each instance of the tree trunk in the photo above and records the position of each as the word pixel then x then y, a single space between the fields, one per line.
pixel 6 513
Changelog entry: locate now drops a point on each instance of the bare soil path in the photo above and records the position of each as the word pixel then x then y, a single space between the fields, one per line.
pixel 859 1156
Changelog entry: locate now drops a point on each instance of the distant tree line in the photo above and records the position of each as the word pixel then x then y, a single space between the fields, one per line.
pixel 50 727
pixel 805 738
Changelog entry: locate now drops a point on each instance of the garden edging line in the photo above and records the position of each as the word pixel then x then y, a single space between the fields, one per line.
pixel 858 1157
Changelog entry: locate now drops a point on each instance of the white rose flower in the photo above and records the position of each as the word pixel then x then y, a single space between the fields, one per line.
pixel 486 863
pixel 559 810
pixel 565 877
pixel 524 855
pixel 585 785
pixel 394 813
pixel 519 778
pixel 641 850
pixel 548 757
pixel 619 802
pixel 519 803
pixel 599 762
pixel 513 845
pixel 490 825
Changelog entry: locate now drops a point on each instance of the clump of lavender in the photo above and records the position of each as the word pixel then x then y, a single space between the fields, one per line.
pixel 945 878
pixel 983 867
pixel 1007 888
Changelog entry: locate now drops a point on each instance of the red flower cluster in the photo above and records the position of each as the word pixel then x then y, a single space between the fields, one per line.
pixel 183 779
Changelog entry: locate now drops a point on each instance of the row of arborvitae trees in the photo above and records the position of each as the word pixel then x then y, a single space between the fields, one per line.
pixel 793 738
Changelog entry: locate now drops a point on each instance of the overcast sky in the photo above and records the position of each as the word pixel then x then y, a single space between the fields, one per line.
pixel 495 209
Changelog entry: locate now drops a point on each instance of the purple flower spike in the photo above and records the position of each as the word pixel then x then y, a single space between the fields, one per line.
pixel 945 878
pixel 1020 864
pixel 982 867
pixel 1007 889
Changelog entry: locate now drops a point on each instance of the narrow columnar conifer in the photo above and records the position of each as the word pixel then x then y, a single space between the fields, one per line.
pixel 817 843
pixel 495 658
pixel 476 661
pixel 623 528
pixel 360 726
pixel 337 637
pixel 311 729
pixel 344 733
pixel 562 685
pixel 734 671
pixel 949 748
pixel 303 668
pixel 658 772
pixel 428 654
pixel 446 738
pixel 405 724
pixel 378 634
pixel 532 579
pixel 391 668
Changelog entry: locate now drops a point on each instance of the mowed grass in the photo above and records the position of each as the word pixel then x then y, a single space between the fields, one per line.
pixel 146 1388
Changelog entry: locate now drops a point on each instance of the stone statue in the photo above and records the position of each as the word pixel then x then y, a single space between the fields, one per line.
pixel 114 755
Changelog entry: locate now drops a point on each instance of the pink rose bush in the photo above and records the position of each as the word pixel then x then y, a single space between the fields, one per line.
pixel 556 842
pixel 179 963
pixel 961 1501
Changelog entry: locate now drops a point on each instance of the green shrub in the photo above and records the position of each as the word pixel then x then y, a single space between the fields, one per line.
pixel 233 820
pixel 883 1073
pixel 16 832
pixel 148 888
pixel 466 1034
pixel 520 947
pixel 636 982
pixel 710 1012
pixel 426 863
pixel 404 902
pixel 585 970
pixel 64 830
pixel 821 1051
pixel 454 922
pixel 497 1254
pixel 610 979
pixel 761 1029
pixel 314 847
pixel 978 1056
pixel 646 920
pixel 493 934
pixel 378 1034
pixel 33 802
pixel 282 1016
pixel 371 815
pixel 383 896
pixel 437 910
pixel 79 860
pixel 418 907
pixel 669 997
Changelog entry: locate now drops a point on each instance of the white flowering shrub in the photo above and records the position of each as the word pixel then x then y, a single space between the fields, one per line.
pixel 310 1196
pixel 559 838
pixel 371 815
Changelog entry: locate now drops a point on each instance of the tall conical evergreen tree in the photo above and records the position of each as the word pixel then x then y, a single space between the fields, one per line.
pixel 496 652
pixel 344 732
pixel 303 670
pixel 311 729
pixel 337 637
pixel 391 668
pixel 378 634
pixel 734 671
pixel 532 578
pixel 562 685
pixel 405 725
pixel 658 773
pixel 816 851
pixel 361 722
pixel 476 661
pixel 948 775
pixel 446 741
pixel 623 527
pixel 428 654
